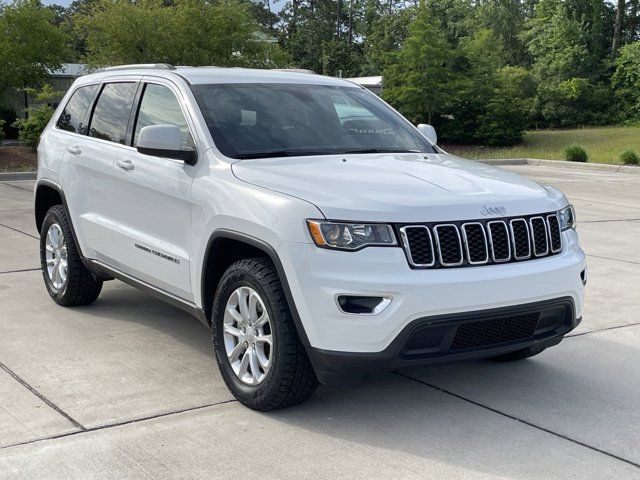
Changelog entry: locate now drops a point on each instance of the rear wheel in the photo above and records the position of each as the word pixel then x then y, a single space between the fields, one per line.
pixel 68 281
pixel 257 348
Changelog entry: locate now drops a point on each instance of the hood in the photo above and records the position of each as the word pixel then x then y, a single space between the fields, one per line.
pixel 401 187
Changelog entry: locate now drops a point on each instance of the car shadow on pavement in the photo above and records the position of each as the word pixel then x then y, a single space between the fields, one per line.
pixel 528 417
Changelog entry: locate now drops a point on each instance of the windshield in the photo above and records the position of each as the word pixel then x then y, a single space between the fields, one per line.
pixel 274 120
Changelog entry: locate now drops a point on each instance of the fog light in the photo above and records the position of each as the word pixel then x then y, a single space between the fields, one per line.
pixel 362 305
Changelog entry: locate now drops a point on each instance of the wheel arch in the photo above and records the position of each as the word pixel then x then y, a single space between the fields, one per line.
pixel 47 195
pixel 231 246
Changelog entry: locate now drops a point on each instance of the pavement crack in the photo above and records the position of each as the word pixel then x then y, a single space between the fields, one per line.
pixel 615 220
pixel 21 270
pixel 616 327
pixel 52 405
pixel 117 424
pixel 520 420
pixel 614 259
pixel 19 231
pixel 28 190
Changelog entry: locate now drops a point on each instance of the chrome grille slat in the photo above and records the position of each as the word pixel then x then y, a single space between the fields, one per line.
pixel 481 242
pixel 555 236
pixel 475 244
pixel 520 238
pixel 449 244
pixel 425 257
pixel 500 231
pixel 539 236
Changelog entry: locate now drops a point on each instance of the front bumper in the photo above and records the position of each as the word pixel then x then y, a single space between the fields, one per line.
pixel 464 336
pixel 316 276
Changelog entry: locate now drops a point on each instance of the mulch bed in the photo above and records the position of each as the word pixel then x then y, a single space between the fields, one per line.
pixel 17 158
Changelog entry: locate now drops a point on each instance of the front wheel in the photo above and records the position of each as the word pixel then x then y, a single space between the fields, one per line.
pixel 258 351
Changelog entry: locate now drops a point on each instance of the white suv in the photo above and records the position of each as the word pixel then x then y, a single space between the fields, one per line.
pixel 319 234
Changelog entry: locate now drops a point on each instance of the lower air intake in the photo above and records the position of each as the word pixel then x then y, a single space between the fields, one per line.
pixel 495 331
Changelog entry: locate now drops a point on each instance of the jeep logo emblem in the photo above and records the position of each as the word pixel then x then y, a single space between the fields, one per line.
pixel 493 210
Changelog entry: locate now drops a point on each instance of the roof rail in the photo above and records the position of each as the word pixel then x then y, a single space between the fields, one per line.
pixel 294 70
pixel 156 66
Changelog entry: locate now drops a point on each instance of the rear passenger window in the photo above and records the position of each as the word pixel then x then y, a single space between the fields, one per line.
pixel 111 115
pixel 75 112
pixel 159 106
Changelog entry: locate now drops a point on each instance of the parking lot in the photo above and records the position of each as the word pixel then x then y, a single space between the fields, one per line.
pixel 128 387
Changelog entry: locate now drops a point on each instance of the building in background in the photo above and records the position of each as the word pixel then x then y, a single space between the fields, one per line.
pixel 370 83
pixel 60 80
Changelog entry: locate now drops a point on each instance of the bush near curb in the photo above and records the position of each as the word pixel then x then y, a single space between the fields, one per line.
pixel 575 153
pixel 629 157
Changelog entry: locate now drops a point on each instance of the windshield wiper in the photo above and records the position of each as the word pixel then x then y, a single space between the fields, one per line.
pixel 303 152
pixel 281 153
pixel 379 150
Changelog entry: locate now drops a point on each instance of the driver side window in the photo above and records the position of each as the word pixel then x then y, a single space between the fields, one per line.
pixel 159 106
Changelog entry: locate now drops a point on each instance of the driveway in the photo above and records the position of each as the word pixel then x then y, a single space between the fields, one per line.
pixel 128 387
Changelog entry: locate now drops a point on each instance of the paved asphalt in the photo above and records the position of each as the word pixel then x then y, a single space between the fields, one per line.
pixel 128 388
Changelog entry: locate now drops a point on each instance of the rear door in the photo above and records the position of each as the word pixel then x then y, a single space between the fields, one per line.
pixel 154 207
pixel 90 175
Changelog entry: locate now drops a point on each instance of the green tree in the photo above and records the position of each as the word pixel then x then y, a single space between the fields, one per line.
pixel 383 40
pixel 626 80
pixel 30 43
pixel 187 32
pixel 555 42
pixel 420 81
pixel 38 115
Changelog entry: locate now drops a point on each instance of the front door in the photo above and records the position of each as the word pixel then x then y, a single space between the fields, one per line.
pixel 154 207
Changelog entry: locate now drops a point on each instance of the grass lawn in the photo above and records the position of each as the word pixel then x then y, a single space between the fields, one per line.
pixel 603 144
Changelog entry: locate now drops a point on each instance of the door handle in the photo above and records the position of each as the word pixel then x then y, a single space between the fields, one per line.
pixel 125 165
pixel 74 149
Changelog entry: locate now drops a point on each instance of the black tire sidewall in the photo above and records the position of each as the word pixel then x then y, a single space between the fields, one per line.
pixel 54 216
pixel 246 393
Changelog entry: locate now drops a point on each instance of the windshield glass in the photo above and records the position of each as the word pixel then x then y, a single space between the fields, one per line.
pixel 274 120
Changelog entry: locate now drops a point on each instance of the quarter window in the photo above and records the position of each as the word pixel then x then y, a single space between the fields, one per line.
pixel 75 112
pixel 159 106
pixel 111 115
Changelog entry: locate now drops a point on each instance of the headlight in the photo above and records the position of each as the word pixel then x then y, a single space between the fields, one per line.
pixel 350 236
pixel 567 218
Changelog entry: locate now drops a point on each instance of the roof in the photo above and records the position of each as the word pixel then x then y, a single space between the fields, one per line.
pixel 207 75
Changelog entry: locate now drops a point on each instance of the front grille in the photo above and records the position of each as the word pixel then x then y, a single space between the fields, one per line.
pixel 495 331
pixel 481 242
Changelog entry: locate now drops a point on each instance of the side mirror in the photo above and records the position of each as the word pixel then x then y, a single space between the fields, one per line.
pixel 428 132
pixel 164 141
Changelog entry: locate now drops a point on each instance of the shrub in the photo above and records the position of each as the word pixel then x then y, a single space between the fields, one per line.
pixel 30 128
pixel 575 153
pixel 629 157
pixel 7 117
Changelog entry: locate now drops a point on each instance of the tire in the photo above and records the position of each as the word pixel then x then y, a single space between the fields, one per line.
pixel 78 287
pixel 288 378
pixel 518 355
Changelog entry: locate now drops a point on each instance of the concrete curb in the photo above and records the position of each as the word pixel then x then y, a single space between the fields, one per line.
pixel 14 176
pixel 588 167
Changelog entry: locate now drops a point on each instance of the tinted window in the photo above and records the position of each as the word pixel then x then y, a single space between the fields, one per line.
pixel 263 120
pixel 111 115
pixel 159 106
pixel 75 112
